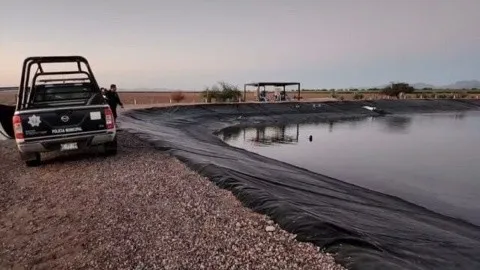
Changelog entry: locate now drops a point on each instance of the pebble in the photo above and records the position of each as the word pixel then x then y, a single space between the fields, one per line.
pixel 127 217
pixel 270 228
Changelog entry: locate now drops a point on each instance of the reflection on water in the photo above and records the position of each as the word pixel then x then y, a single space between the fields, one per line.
pixel 289 134
pixel 396 123
pixel 263 135
pixel 427 159
pixel 275 135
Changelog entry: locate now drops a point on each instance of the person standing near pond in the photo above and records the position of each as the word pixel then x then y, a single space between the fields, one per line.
pixel 113 100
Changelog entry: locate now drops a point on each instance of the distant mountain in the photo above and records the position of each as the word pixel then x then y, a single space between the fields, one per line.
pixel 454 86
pixel 12 88
pixel 463 85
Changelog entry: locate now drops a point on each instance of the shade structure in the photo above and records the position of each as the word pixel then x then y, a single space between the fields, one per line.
pixel 274 84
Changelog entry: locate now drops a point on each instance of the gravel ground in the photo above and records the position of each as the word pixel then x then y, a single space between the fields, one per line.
pixel 138 210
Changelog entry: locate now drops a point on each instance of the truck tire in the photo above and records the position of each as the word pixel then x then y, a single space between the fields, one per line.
pixel 111 147
pixel 36 161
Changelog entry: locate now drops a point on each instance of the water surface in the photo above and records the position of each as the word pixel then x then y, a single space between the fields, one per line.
pixel 431 160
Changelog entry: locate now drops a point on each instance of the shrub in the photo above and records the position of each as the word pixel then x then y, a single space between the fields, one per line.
pixel 222 92
pixel 358 96
pixel 211 93
pixel 333 94
pixel 395 89
pixel 177 96
pixel 229 92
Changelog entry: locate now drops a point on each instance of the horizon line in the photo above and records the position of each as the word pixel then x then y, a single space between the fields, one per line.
pixel 165 89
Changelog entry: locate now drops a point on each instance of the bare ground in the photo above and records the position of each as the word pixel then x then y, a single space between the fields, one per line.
pixel 138 210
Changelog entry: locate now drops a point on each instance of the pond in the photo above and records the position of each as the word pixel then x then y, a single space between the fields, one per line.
pixel 427 159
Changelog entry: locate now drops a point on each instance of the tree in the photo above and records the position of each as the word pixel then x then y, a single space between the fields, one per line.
pixel 229 92
pixel 177 96
pixel 395 89
pixel 211 93
pixel 222 92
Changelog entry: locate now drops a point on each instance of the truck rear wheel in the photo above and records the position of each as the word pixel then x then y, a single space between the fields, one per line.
pixel 111 147
pixel 35 161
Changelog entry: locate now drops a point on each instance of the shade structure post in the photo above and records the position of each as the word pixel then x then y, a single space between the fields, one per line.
pixel 299 92
pixel 244 93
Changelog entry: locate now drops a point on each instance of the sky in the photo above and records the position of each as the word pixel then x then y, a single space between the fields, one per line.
pixel 192 44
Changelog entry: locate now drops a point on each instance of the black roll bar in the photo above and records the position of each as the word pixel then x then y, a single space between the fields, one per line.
pixel 57 73
pixel 62 80
pixel 39 60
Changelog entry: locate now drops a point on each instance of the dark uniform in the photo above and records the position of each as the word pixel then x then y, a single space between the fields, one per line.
pixel 113 100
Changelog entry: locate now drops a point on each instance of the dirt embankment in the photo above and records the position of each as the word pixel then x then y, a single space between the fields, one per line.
pixel 138 210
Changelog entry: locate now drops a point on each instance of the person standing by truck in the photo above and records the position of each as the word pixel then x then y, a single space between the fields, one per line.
pixel 113 100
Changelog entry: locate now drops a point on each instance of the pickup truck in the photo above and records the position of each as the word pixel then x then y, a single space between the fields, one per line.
pixel 61 110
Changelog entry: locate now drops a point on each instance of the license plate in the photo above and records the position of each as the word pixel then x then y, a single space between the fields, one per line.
pixel 68 146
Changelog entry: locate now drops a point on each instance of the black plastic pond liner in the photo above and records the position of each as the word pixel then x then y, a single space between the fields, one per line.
pixel 362 228
pixel 6 115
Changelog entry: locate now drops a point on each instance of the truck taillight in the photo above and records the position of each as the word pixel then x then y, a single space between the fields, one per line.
pixel 109 121
pixel 17 127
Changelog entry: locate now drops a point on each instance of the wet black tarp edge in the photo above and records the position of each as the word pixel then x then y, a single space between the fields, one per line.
pixel 340 226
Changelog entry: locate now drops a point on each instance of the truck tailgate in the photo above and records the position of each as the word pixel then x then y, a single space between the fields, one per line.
pixel 63 121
